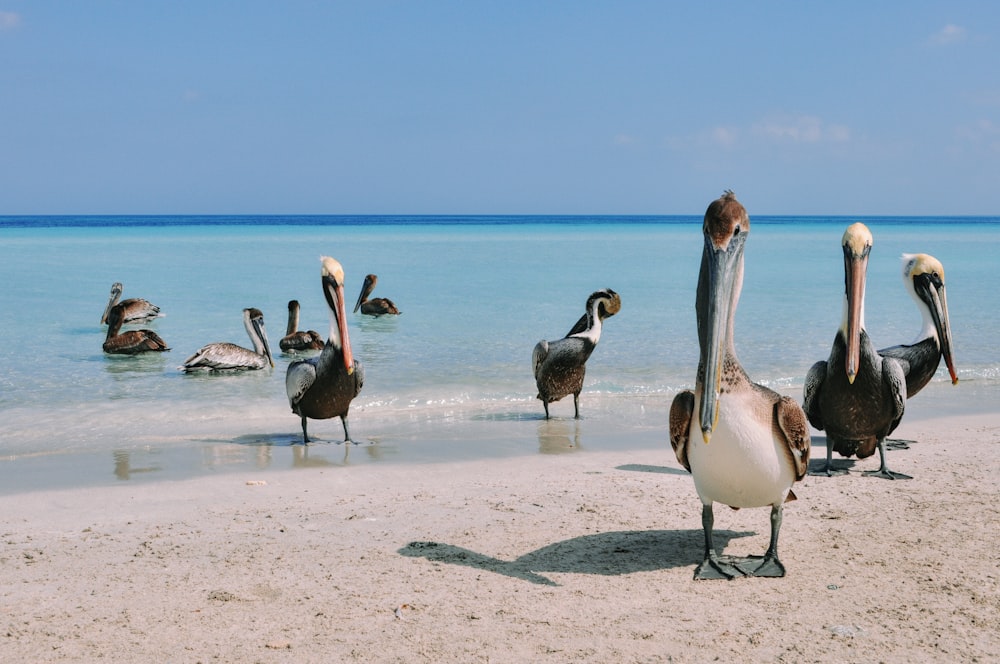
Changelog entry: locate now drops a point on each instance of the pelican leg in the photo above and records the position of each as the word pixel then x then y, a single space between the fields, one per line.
pixel 883 470
pixel 713 566
pixel 770 565
pixel 546 405
pixel 829 470
pixel 576 406
pixel 305 436
pixel 347 434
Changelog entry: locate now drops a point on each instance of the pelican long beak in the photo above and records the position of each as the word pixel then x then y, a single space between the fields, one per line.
pixel 932 293
pixel 366 289
pixel 107 311
pixel 334 292
pixel 720 268
pixel 855 271
pixel 258 325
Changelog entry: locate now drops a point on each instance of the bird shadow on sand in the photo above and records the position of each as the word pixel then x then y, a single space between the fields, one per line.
pixel 607 554
pixel 644 468
pixel 817 464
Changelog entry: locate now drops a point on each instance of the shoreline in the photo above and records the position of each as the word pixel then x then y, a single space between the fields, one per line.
pixel 555 557
pixel 615 424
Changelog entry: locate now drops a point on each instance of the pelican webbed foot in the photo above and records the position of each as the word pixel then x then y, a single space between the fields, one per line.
pixel 719 567
pixel 828 470
pixel 883 472
pixel 767 565
pixel 886 474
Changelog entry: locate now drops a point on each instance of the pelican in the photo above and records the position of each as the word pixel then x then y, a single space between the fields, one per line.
pixel 857 395
pixel 744 444
pixel 560 365
pixel 923 276
pixel 377 307
pixel 131 342
pixel 134 309
pixel 323 387
pixel 295 339
pixel 224 356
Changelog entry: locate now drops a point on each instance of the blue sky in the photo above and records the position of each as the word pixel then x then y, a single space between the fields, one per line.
pixel 499 107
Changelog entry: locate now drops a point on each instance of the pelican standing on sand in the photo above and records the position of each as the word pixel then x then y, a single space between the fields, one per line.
pixel 131 342
pixel 224 356
pixel 134 309
pixel 296 339
pixel 323 387
pixel 857 396
pixel 744 444
pixel 923 276
pixel 560 365
pixel 380 306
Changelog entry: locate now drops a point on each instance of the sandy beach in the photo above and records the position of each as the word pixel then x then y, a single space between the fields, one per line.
pixel 585 556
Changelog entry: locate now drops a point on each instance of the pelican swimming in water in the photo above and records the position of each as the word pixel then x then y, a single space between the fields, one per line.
pixel 380 306
pixel 134 309
pixel 560 365
pixel 131 342
pixel 296 339
pixel 857 396
pixel 744 444
pixel 224 356
pixel 923 276
pixel 323 387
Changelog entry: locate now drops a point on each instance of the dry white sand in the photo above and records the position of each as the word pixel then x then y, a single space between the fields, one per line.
pixel 585 556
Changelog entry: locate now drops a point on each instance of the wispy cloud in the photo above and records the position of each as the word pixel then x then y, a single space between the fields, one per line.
pixel 801 129
pixel 786 130
pixel 949 34
pixel 624 139
pixel 9 20
pixel 190 95
pixel 984 133
pixel 725 136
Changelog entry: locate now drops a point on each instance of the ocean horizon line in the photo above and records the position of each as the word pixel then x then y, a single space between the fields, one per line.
pixel 160 220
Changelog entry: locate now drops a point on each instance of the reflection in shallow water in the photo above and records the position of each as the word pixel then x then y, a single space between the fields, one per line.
pixel 558 436
pixel 124 468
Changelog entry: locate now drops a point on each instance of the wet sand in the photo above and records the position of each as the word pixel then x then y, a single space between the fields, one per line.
pixel 581 556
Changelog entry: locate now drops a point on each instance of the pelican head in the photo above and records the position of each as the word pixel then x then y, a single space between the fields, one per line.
pixel 366 290
pixel 924 278
pixel 857 245
pixel 116 294
pixel 333 290
pixel 253 321
pixel 719 282
pixel 607 301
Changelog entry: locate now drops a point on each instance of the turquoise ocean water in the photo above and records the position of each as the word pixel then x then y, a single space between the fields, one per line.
pixel 451 377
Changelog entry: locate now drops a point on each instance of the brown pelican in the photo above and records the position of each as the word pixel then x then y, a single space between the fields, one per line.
pixel 560 365
pixel 923 276
pixel 377 307
pixel 223 356
pixel 295 339
pixel 744 444
pixel 323 387
pixel 134 309
pixel 131 342
pixel 857 395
